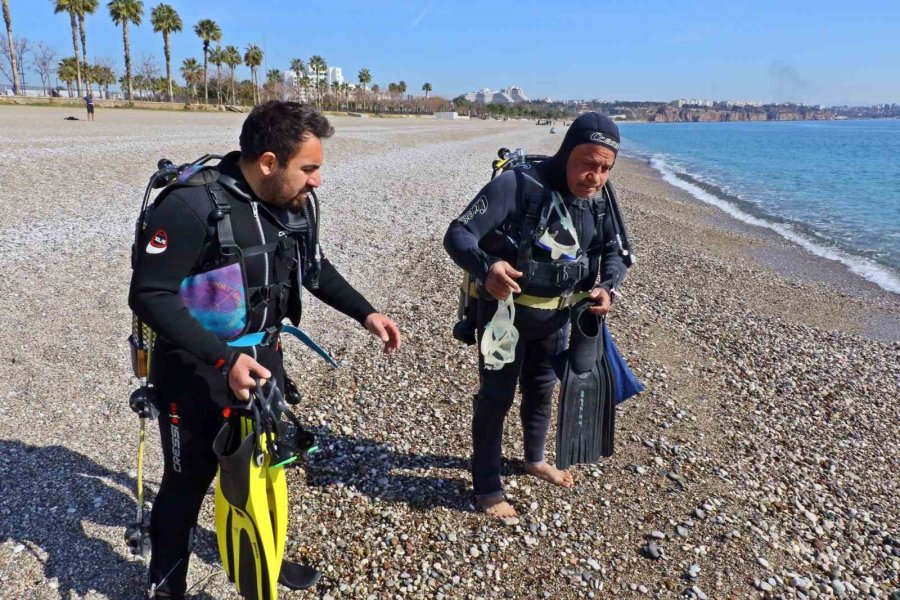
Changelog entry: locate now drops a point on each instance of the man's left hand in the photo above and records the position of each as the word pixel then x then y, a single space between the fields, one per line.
pixel 601 300
pixel 384 329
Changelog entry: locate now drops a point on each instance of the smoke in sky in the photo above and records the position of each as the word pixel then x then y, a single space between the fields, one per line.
pixel 787 84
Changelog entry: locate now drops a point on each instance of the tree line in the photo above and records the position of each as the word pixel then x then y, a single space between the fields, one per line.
pixel 307 82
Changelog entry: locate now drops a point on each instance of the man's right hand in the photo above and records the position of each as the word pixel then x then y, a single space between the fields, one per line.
pixel 501 280
pixel 239 377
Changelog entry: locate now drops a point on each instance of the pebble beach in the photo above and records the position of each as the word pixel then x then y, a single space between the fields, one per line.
pixel 762 461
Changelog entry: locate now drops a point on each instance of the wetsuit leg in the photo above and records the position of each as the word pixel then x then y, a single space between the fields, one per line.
pixel 537 381
pixel 495 396
pixel 498 388
pixel 189 421
pixel 190 397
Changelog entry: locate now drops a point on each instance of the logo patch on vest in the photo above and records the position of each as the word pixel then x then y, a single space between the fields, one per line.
pixel 158 243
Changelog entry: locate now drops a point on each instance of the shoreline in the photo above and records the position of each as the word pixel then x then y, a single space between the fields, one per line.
pixel 876 310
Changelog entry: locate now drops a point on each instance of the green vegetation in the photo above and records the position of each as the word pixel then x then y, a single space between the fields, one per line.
pixel 166 21
pixel 307 82
pixel 208 31
pixel 124 12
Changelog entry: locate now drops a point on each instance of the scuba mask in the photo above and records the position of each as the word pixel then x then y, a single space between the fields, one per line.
pixel 498 342
pixel 559 237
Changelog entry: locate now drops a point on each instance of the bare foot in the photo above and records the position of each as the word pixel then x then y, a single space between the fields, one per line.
pixel 547 472
pixel 496 506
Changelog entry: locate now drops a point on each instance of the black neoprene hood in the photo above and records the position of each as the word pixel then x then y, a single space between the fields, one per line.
pixel 588 128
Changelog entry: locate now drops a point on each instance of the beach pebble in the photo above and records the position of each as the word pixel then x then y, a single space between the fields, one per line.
pixel 767 416
pixel 654 551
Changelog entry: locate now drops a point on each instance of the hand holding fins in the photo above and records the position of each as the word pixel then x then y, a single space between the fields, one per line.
pixel 586 412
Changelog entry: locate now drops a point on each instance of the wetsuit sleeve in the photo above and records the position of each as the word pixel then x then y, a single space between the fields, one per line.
pixel 493 205
pixel 612 268
pixel 166 252
pixel 337 293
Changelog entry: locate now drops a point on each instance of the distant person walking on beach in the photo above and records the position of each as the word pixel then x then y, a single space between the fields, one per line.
pixel 570 257
pixel 89 103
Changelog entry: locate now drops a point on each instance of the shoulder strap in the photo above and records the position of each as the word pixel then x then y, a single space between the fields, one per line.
pixel 222 216
pixel 530 219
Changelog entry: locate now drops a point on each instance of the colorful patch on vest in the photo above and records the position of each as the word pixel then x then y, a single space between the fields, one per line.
pixel 158 243
pixel 217 300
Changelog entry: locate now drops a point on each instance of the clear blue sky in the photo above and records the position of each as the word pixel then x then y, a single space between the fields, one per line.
pixel 830 52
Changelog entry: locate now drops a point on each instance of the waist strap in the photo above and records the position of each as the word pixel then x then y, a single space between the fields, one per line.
pixel 269 336
pixel 556 303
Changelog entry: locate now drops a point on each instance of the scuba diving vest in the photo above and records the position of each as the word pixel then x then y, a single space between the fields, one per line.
pixel 216 291
pixel 549 277
pixel 517 242
pixel 547 282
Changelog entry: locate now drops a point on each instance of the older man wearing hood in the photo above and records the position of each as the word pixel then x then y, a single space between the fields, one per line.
pixel 543 234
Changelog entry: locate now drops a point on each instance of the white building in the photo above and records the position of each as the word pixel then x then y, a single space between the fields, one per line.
pixel 694 102
pixel 743 103
pixel 516 93
pixel 510 95
pixel 329 76
pixel 335 75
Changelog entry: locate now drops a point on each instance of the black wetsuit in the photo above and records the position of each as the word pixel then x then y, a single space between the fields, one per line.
pixel 189 364
pixel 542 333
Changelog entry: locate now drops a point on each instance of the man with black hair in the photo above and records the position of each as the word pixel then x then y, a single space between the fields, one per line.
pixel 544 235
pixel 264 190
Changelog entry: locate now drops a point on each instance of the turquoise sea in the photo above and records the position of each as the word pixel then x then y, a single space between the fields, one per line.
pixel 833 187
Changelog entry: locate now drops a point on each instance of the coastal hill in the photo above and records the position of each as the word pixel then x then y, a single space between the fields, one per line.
pixel 670 114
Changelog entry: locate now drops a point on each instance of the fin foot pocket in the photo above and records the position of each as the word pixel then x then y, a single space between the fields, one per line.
pixel 295 576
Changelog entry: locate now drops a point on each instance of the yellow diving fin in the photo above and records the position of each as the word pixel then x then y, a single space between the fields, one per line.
pixel 251 508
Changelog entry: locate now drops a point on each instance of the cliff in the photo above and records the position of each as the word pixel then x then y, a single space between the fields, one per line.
pixel 673 114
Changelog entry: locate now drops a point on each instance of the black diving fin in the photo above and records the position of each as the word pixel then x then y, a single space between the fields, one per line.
pixel 586 417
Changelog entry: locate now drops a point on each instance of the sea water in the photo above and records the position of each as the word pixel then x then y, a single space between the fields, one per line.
pixel 833 187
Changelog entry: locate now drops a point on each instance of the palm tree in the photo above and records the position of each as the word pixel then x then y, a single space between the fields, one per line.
pixel 165 20
pixel 217 57
pixel 67 71
pixel 190 70
pixel 82 8
pixel 317 64
pixel 365 78
pixel 104 76
pixel 12 49
pixel 88 75
pixel 208 31
pixel 334 88
pixel 124 12
pixel 297 66
pixel 401 88
pixel 274 77
pixel 139 82
pixel 253 58
pixel 69 6
pixel 426 88
pixel 305 84
pixel 232 59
